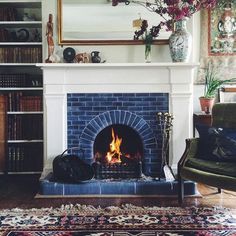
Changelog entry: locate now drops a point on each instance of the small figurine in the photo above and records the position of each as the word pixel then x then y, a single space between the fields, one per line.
pixel 49 34
pixel 82 58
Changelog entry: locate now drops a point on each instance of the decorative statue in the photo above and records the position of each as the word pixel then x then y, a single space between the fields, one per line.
pixel 49 34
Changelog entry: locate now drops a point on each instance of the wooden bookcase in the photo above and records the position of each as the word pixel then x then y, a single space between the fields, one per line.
pixel 21 86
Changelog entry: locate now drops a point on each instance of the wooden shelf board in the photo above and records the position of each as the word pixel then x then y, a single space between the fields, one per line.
pixel 18 64
pixel 25 141
pixel 20 43
pixel 14 88
pixel 24 112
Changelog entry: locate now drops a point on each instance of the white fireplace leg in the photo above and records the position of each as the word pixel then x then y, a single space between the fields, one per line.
pixel 181 106
pixel 56 127
pixel 182 127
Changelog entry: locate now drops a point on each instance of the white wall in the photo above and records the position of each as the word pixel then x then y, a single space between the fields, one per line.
pixel 126 53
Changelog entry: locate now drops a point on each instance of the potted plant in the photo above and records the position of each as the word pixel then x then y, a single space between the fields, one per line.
pixel 212 84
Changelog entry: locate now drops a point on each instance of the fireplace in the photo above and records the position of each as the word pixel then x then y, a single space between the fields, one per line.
pixel 133 116
pixel 79 113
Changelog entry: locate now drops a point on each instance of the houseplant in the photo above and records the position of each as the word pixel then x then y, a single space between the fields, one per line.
pixel 211 86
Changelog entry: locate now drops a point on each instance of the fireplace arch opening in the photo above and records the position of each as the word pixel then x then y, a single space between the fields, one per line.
pixel 118 144
pixel 118 153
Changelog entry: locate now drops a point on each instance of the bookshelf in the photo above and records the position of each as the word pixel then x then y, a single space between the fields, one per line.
pixel 20 31
pixel 21 87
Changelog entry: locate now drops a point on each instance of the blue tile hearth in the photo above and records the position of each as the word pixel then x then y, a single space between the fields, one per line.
pixel 143 186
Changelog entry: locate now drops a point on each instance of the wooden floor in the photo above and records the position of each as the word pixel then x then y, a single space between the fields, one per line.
pixel 20 191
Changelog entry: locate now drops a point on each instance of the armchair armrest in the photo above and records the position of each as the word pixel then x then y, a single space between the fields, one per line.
pixel 190 150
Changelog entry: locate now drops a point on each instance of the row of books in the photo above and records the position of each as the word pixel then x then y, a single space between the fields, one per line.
pixel 13 80
pixel 21 158
pixel 20 80
pixel 31 103
pixel 17 101
pixel 29 127
pixel 8 14
pixel 20 55
pixel 3 124
pixel 4 35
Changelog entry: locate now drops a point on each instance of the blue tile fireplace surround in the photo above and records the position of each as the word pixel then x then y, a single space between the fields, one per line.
pixel 88 114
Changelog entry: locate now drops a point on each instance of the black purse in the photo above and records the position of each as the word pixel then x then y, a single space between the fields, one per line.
pixel 70 168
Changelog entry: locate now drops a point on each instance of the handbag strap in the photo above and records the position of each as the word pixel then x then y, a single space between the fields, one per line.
pixel 73 148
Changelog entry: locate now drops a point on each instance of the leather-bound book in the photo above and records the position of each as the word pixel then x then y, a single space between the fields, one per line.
pixel 3 123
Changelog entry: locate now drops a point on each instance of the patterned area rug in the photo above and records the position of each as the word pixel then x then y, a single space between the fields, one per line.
pixel 128 220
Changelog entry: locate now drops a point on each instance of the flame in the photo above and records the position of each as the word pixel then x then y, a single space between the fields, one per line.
pixel 113 156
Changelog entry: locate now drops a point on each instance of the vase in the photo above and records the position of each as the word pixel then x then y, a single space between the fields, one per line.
pixel 95 57
pixel 148 53
pixel 180 42
pixel 206 104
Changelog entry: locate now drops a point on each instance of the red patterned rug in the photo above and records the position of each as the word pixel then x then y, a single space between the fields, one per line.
pixel 128 220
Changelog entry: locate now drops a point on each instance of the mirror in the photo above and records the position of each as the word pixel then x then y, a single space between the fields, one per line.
pixel 97 22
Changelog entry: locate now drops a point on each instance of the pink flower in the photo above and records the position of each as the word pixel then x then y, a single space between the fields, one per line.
pixel 169 10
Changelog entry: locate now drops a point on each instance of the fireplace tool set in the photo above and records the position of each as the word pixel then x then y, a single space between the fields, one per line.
pixel 165 122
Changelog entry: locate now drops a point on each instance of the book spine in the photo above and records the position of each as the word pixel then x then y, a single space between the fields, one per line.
pixel 3 124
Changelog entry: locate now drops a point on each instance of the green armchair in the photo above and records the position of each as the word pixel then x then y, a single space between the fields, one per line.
pixel 219 168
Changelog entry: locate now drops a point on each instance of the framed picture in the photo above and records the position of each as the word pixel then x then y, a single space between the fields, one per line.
pixel 227 94
pixel 222 29
pixel 218 40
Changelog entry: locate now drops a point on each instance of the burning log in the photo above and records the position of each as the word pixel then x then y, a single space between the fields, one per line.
pixel 117 170
pixel 115 164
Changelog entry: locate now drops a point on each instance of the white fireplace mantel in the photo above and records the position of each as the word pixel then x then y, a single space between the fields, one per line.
pixel 176 79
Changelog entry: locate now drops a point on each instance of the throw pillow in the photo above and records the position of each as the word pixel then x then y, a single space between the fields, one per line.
pixel 225 144
pixel 218 144
pixel 206 142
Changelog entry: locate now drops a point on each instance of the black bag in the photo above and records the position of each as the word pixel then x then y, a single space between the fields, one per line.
pixel 70 168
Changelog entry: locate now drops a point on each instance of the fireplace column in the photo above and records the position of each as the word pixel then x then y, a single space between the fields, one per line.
pixel 181 106
pixel 55 116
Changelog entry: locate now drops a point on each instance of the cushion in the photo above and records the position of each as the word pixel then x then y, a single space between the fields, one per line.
pixel 218 144
pixel 206 142
pixel 221 168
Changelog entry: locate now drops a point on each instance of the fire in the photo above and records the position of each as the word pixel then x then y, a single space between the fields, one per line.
pixel 114 155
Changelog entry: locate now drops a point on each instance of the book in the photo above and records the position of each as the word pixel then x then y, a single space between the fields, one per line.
pixel 3 109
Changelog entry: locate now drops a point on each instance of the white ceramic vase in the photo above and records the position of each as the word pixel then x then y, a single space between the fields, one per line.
pixel 180 42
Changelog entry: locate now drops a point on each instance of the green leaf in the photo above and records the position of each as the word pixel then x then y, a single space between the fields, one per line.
pixel 213 82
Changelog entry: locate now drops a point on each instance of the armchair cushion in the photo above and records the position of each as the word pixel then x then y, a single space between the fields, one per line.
pixel 217 144
pixel 220 168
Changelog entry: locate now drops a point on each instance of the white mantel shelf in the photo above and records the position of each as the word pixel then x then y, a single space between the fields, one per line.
pixel 176 79
pixel 102 65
